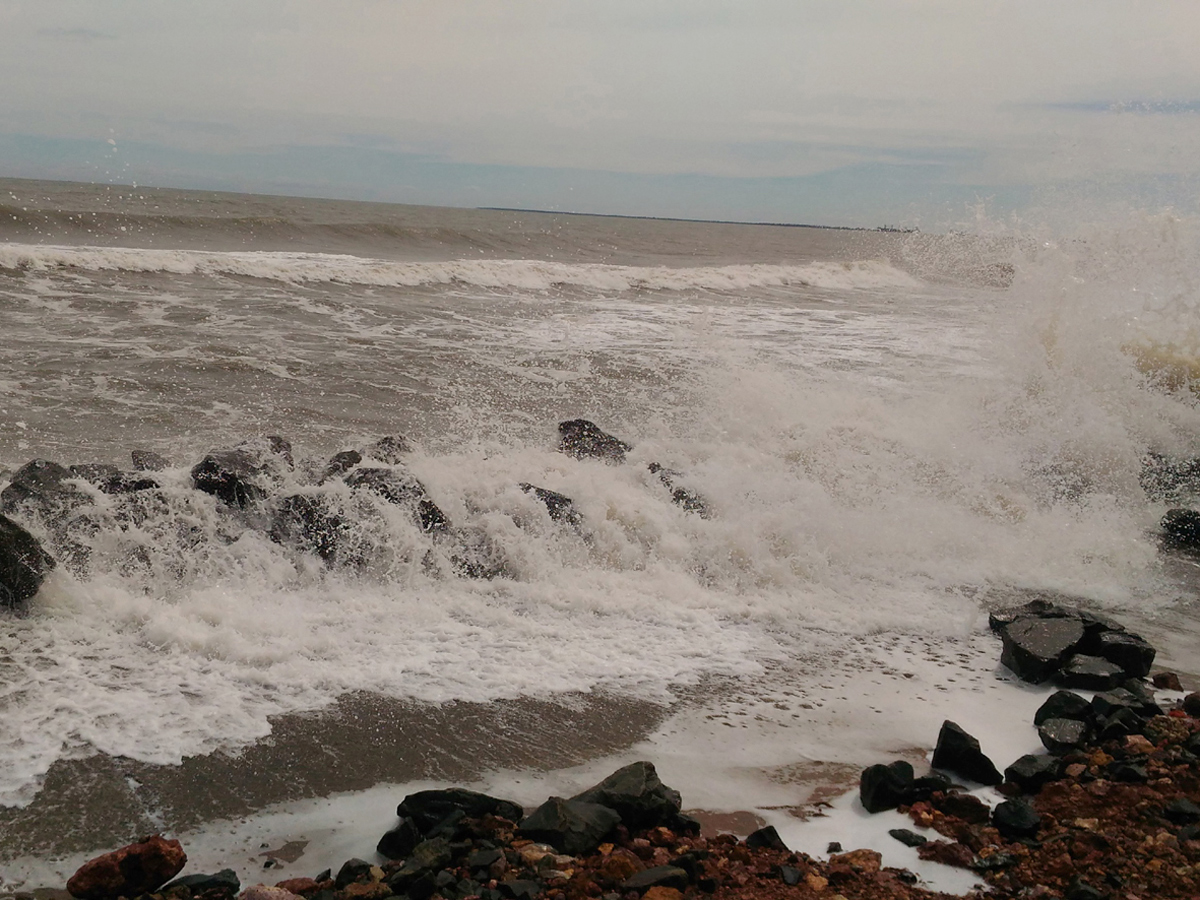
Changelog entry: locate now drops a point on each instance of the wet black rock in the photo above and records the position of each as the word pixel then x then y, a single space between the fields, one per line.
pixel 1035 648
pixel 638 796
pixel 351 871
pixel 883 787
pixel 1031 772
pixel 400 841
pixel 1039 607
pixel 390 449
pixel 1081 890
pixel 41 490
pixel 426 858
pixel 959 752
pixel 149 461
pixel 1105 703
pixel 584 440
pixel 224 882
pixel 1129 651
pixel 1016 819
pixel 908 838
pixel 473 554
pixel 570 826
pixel 923 788
pixel 657 876
pixel 560 507
pixel 310 523
pixel 24 565
pixel 1144 693
pixel 429 808
pixel 1182 811
pixel 401 488
pixel 790 875
pixel 1064 705
pixel 238 478
pixel 1118 724
pixel 1061 736
pixel 339 464
pixel 519 889
pixel 1090 673
pixel 1181 529
pixel 1127 772
pixel 766 837
pixel 681 496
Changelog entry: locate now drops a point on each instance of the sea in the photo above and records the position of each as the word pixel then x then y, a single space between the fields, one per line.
pixel 892 432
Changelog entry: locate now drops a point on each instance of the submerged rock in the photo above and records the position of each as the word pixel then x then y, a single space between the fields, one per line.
pixel 584 440
pixel 237 478
pixel 560 507
pixel 310 523
pixel 41 490
pixel 23 565
pixel 138 868
pixel 390 449
pixel 401 488
pixel 1181 529
pixel 681 496
pixel 149 461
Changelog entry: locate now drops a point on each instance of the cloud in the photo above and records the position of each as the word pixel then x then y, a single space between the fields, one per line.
pixel 1143 107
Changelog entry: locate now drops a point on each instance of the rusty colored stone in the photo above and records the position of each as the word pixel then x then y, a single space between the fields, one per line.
pixel 137 868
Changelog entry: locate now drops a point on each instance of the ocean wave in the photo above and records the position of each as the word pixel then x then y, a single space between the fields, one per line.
pixel 527 274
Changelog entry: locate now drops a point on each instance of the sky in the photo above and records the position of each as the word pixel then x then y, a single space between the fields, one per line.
pixel 844 112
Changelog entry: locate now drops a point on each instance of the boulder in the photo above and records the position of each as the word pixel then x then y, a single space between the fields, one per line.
pixel 238 478
pixel 390 449
pixel 428 808
pixel 400 841
pixel 1129 651
pixel 1016 819
pixel 560 507
pixel 1032 771
pixel 41 490
pixel 584 440
pixel 340 464
pixel 23 565
pixel 149 461
pixel 959 752
pixel 681 496
pixel 310 523
pixel 1181 529
pixel 883 787
pixel 1035 648
pixel 401 488
pixel 1064 705
pixel 111 480
pixel 223 883
pixel 638 796
pixel 570 826
pixel 138 868
pixel 1061 736
pixel 1090 673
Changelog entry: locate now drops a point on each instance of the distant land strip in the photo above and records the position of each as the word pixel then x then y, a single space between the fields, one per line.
pixel 561 212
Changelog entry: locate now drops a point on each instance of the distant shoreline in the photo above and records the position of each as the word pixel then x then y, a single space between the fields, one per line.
pixel 889 229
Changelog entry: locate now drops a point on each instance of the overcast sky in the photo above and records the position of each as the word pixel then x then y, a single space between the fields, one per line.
pixel 836 111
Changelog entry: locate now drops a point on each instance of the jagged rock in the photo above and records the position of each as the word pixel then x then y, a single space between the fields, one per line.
pixel 1064 705
pixel 309 522
pixel 400 841
pixel 149 461
pixel 584 440
pixel 1181 529
pixel 389 449
pixel 959 752
pixel 1106 703
pixel 429 808
pixel 1145 696
pixel 908 838
pixel 137 868
pixel 638 796
pixel 426 858
pixel 766 837
pixel 681 496
pixel 1128 773
pixel 1031 772
pixel 223 883
pixel 41 490
pixel 1035 648
pixel 883 787
pixel 657 876
pixel 570 826
pixel 1016 819
pixel 352 870
pixel 238 478
pixel 402 489
pixel 340 464
pixel 790 875
pixel 1038 608
pixel 23 565
pixel 1119 723
pixel 1061 736
pixel 1129 651
pixel 560 507
pixel 1090 673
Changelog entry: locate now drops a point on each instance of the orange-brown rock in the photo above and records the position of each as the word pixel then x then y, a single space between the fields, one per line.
pixel 305 887
pixel 138 868
pixel 662 893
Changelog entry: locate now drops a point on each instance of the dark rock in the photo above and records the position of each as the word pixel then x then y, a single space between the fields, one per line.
pixel 1129 651
pixel 138 868
pixel 224 883
pixel 1189 833
pixel 790 875
pixel 1090 673
pixel 309 522
pixel 1081 890
pixel 481 859
pixel 883 787
pixel 657 876
pixel 637 794
pixel 1031 772
pixel 1182 811
pixel 423 887
pixel 924 787
pixel 1181 529
pixel 400 841
pixel 1061 736
pixel 426 858
pixel 570 826
pixel 351 871
pixel 683 497
pixel 451 828
pixel 993 863
pixel 1037 608
pixel 560 507
pixel 111 480
pixel 390 449
pixel 1166 681
pixel 833 847
pixel 908 838
pixel 959 752
pixel 519 889
pixel 682 823
pixel 766 837
pixel 149 461
pixel 1064 705
pixel 1127 772
pixel 967 807
pixel 238 478
pixel 1105 703
pixel 584 440
pixel 1191 705
pixel 1035 648
pixel 1016 819
pixel 23 565
pixel 41 490
pixel 429 808
pixel 340 464
pixel 1119 723
pixel 690 863
pixel 948 853
pixel 1144 694
pixel 402 489
pixel 474 554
